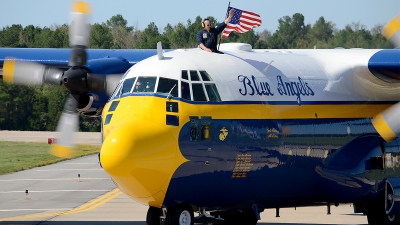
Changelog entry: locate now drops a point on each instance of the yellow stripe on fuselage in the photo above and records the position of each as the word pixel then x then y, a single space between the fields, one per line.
pixel 131 104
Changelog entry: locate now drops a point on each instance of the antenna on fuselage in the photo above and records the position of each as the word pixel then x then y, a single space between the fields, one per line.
pixel 159 51
pixel 169 93
pixel 266 68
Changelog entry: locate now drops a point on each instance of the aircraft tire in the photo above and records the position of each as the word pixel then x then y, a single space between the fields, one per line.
pixel 180 215
pixel 153 216
pixel 376 214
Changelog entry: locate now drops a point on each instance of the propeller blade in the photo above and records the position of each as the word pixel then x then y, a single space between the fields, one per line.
pixel 67 126
pixel 391 31
pixel 387 123
pixel 79 32
pixel 74 79
pixel 29 73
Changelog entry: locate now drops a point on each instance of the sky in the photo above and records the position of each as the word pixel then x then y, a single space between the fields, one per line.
pixel 141 13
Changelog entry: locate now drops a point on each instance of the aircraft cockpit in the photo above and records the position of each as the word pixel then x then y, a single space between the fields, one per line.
pixel 193 85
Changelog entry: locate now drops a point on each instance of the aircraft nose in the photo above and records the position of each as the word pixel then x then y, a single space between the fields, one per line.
pixel 141 158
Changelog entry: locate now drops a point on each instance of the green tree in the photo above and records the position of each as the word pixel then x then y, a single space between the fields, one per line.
pixel 290 30
pixel 100 36
pixel 180 37
pixel 262 39
pixel 122 35
pixel 44 39
pixel 249 37
pixel 29 35
pixel 60 37
pixel 378 40
pixel 10 36
pixel 321 33
pixel 56 96
pixel 16 106
pixel 119 21
pixel 150 36
pixel 192 29
pixel 38 117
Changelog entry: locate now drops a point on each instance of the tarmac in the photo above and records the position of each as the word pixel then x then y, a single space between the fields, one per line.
pixel 79 191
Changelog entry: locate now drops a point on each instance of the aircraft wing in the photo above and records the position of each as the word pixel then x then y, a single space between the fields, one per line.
pixel 60 57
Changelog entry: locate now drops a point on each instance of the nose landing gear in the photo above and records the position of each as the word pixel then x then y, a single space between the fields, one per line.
pixel 377 211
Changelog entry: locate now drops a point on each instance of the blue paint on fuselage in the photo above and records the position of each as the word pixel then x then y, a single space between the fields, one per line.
pixel 284 163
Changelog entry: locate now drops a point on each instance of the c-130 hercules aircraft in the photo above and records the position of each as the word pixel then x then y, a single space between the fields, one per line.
pixel 229 135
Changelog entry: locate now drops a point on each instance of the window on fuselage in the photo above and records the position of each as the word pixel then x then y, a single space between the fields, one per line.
pixel 127 85
pixel 205 76
pixel 166 85
pixel 185 90
pixel 145 84
pixel 212 92
pixel 198 92
pixel 198 86
pixel 117 90
pixel 194 76
pixel 185 75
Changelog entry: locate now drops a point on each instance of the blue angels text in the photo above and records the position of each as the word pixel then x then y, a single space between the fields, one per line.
pixel 296 88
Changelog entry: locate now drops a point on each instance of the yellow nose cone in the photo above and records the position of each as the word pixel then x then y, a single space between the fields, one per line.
pixel 141 157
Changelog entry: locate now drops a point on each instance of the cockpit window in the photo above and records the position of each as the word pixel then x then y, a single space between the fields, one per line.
pixel 198 93
pixel 166 85
pixel 185 75
pixel 126 73
pixel 117 90
pixel 198 86
pixel 205 76
pixel 185 90
pixel 145 84
pixel 127 85
pixel 194 76
pixel 212 92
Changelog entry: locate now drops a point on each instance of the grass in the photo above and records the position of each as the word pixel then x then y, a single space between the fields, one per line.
pixel 17 156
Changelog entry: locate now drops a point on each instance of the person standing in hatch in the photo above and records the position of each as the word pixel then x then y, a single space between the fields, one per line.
pixel 206 38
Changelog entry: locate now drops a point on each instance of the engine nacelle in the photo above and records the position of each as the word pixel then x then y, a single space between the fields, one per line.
pixel 91 104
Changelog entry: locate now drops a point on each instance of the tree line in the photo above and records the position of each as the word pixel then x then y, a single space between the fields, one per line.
pixel 39 108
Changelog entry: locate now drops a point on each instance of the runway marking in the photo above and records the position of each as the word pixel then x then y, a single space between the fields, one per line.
pixel 65 170
pixel 46 191
pixel 55 179
pixel 83 208
pixel 16 210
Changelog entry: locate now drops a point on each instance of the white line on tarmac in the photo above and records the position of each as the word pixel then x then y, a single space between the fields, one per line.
pixel 55 179
pixel 8 192
pixel 16 210
pixel 81 163
pixel 64 170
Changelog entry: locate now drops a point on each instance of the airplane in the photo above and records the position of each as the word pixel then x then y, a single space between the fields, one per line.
pixel 230 135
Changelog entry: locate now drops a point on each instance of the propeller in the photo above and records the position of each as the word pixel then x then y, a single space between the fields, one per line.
pixel 387 123
pixel 76 79
pixel 391 31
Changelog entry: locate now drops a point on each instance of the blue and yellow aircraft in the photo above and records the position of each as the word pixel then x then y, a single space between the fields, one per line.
pixel 229 135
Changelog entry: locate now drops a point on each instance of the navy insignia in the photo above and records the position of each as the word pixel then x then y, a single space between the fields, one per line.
pixel 204 35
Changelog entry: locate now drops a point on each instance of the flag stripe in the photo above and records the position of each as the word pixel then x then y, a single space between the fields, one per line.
pixel 255 14
pixel 242 21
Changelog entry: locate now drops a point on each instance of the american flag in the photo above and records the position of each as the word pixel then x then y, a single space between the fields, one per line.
pixel 242 21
